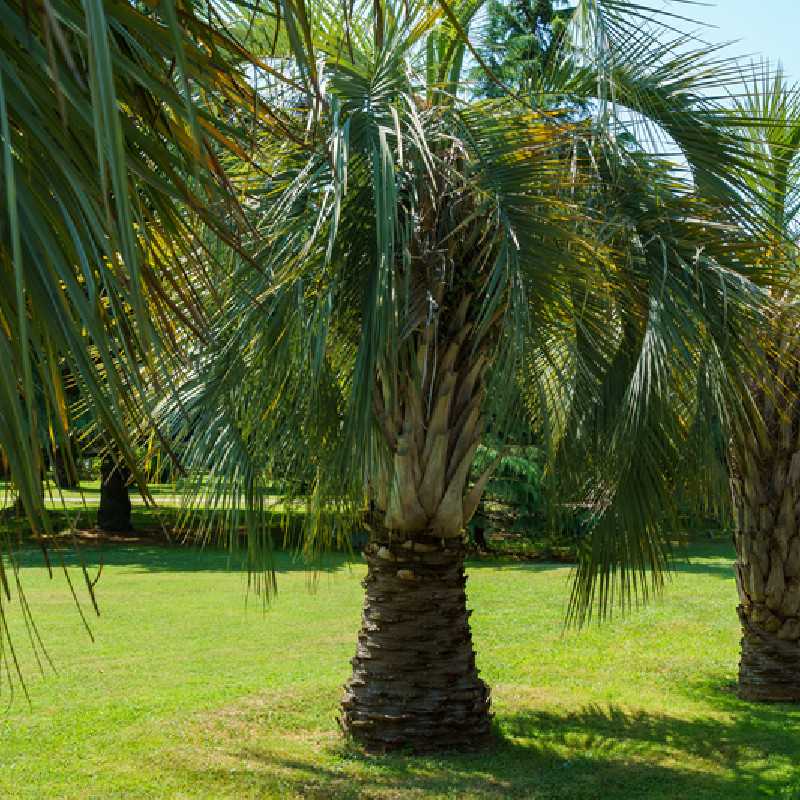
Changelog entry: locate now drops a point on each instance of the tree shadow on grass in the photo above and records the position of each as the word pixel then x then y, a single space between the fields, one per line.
pixel 153 557
pixel 587 754
pixel 781 720
pixel 507 564
pixel 705 558
pixel 145 551
pixel 695 567
pixel 531 771
pixel 757 749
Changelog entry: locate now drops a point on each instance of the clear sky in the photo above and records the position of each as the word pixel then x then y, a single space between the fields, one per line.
pixel 768 28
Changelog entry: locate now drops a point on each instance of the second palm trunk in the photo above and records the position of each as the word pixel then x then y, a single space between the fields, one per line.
pixel 767 502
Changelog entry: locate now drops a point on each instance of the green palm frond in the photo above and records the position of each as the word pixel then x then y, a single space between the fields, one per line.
pixel 769 110
pixel 625 289
pixel 114 123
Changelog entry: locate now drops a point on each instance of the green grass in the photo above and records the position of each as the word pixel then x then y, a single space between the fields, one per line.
pixel 187 693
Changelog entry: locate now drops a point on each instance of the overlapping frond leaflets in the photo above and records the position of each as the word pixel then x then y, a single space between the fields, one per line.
pixel 769 111
pixel 114 120
pixel 651 425
pixel 421 246
pixel 726 409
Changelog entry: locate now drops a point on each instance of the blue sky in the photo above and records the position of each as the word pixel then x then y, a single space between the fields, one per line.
pixel 763 27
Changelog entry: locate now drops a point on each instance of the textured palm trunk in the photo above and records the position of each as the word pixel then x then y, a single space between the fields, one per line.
pixel 766 493
pixel 768 579
pixel 414 683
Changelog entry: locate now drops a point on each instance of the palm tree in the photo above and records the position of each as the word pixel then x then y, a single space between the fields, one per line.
pixel 766 466
pixel 417 253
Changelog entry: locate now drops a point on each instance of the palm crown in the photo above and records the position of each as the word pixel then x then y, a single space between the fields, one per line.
pixel 417 250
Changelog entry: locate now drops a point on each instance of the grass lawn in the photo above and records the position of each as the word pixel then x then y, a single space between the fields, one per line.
pixel 187 693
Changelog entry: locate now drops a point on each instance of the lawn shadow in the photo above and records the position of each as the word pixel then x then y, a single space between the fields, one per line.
pixel 719 691
pixel 533 771
pixel 158 557
pixel 501 563
pixel 699 567
pixel 714 557
pixel 590 753
pixel 147 550
pixel 755 746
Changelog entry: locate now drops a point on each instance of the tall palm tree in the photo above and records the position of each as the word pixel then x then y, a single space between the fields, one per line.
pixel 766 463
pixel 417 252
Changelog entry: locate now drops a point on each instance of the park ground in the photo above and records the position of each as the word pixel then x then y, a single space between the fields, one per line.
pixel 191 690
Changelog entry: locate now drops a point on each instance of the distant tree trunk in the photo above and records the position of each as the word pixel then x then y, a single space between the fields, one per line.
pixel 479 532
pixel 64 470
pixel 414 681
pixel 114 514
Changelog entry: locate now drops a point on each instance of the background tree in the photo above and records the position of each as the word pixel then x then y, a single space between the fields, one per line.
pixel 523 41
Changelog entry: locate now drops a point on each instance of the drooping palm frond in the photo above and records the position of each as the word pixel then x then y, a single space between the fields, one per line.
pixel 653 429
pixel 726 409
pixel 103 134
pixel 114 122
pixel 624 288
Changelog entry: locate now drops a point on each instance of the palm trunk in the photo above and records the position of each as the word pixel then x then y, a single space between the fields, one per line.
pixel 768 580
pixel 766 493
pixel 114 514
pixel 414 682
